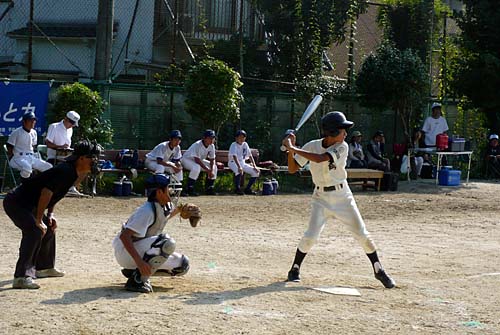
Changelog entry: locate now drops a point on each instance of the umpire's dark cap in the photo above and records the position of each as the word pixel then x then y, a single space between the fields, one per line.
pixel 176 134
pixel 209 133
pixel 85 148
pixel 29 116
pixel 240 132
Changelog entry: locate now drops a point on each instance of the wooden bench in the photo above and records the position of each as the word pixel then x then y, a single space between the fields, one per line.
pixel 366 174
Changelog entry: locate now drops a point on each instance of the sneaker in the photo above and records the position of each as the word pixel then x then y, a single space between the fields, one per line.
pixel 250 192
pixel 74 192
pixel 384 278
pixel 294 275
pixel 239 192
pixel 50 273
pixel 141 287
pixel 25 283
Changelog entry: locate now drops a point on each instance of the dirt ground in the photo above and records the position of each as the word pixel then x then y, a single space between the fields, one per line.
pixel 441 244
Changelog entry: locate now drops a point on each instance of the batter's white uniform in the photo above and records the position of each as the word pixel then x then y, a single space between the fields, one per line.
pixel 24 158
pixel 146 231
pixel 165 153
pixel 242 153
pixel 59 135
pixel 198 149
pixel 332 197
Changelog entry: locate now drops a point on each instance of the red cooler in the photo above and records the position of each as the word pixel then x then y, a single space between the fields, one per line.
pixel 441 142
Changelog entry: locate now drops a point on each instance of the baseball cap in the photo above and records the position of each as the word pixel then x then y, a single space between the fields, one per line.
pixel 74 117
pixel 85 148
pixel 493 137
pixel 29 116
pixel 435 105
pixel 356 133
pixel 209 133
pixel 379 133
pixel 240 132
pixel 175 134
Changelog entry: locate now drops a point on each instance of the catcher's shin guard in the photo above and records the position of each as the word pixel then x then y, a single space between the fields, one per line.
pixel 161 248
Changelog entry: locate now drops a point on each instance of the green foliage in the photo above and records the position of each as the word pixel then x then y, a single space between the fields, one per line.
pixel 175 74
pixel 90 106
pixel 302 29
pixel 394 79
pixel 327 86
pixel 212 93
pixel 475 71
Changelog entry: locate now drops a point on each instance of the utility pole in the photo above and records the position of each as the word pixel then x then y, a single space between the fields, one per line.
pixel 104 40
pixel 30 39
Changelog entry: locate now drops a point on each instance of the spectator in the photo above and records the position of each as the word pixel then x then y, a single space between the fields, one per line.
pixel 58 141
pixel 201 156
pixel 493 156
pixel 166 157
pixel 434 125
pixel 356 157
pixel 375 153
pixel 20 148
pixel 416 157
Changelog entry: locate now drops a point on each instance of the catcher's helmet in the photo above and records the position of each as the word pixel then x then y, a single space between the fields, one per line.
pixel 331 122
pixel 157 181
pixel 85 148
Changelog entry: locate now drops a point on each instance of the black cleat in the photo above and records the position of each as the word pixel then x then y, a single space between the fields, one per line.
pixel 210 191
pixel 128 272
pixel 294 275
pixel 250 192
pixel 384 278
pixel 141 287
pixel 239 192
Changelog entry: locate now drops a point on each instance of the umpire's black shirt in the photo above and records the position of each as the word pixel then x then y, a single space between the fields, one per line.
pixel 58 179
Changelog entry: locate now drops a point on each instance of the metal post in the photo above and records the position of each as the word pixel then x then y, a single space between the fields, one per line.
pixel 30 40
pixel 104 40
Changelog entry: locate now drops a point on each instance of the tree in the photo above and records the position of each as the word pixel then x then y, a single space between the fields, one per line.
pixel 394 79
pixel 90 106
pixel 475 71
pixel 212 93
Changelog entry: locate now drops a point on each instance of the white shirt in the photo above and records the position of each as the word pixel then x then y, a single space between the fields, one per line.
pixel 163 152
pixel 198 149
pixel 432 127
pixel 59 135
pixel 241 151
pixel 22 141
pixel 326 173
pixel 142 221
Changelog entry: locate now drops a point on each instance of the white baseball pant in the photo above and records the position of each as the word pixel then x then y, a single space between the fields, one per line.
pixel 338 204
pixel 195 169
pixel 247 168
pixel 27 163
pixel 158 168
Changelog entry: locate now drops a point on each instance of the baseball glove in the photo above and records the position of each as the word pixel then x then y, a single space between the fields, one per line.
pixel 191 212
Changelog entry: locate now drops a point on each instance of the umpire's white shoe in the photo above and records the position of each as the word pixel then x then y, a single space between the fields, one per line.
pixel 294 275
pixel 384 278
pixel 50 273
pixel 25 283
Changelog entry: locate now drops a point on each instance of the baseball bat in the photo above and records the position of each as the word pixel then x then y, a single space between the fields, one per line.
pixel 313 105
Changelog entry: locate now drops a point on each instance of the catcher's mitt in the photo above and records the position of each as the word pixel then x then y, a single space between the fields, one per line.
pixel 191 212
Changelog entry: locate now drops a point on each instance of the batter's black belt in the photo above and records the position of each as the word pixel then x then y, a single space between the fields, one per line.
pixel 330 188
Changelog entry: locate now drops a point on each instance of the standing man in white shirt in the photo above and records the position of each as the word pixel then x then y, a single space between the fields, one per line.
pixel 434 125
pixel 20 148
pixel 166 157
pixel 58 141
pixel 201 156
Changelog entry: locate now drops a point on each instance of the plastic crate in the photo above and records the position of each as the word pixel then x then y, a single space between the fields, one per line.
pixel 457 144
pixel 449 177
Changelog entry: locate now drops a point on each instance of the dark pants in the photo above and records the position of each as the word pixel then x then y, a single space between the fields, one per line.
pixel 35 252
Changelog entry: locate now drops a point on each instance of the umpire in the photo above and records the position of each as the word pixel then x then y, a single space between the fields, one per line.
pixel 26 206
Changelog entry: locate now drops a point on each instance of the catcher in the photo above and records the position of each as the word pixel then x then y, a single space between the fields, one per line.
pixel 141 248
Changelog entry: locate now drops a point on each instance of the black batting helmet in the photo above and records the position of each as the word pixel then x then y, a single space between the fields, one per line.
pixel 331 122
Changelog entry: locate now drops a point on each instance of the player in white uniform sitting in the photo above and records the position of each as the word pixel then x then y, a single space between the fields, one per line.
pixel 166 156
pixel 141 248
pixel 239 153
pixel 332 197
pixel 201 156
pixel 20 148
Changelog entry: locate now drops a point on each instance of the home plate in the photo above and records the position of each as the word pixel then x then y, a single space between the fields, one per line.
pixel 338 290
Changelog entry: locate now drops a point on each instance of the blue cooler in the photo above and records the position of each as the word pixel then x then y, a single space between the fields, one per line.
pixel 126 188
pixel 117 189
pixel 449 177
pixel 267 188
pixel 275 186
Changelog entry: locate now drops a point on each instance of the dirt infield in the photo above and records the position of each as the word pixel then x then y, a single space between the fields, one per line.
pixel 442 246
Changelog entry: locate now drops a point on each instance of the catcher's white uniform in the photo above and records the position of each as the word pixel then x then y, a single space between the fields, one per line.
pixel 146 229
pixel 24 158
pixel 332 197
pixel 165 153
